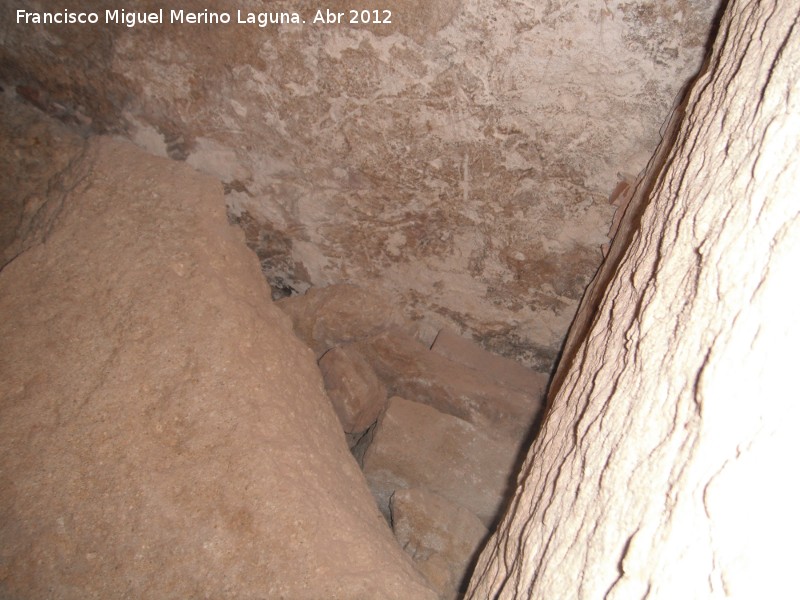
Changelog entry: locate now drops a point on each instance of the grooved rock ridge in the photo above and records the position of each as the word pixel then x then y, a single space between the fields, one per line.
pixel 664 468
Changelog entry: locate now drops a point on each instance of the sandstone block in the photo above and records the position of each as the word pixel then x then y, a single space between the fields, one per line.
pixel 412 371
pixel 334 315
pixel 416 446
pixel 501 370
pixel 163 433
pixel 442 537
pixel 357 395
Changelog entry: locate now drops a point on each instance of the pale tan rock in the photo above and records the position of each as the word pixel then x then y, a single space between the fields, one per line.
pixel 416 446
pixel 665 468
pixel 501 370
pixel 338 314
pixel 412 371
pixel 441 536
pixel 357 395
pixel 163 434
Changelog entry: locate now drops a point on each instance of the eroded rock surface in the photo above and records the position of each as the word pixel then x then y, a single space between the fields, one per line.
pixel 498 369
pixel 338 314
pixel 663 467
pixel 441 536
pixel 440 462
pixel 416 446
pixel 163 434
pixel 39 167
pixel 458 157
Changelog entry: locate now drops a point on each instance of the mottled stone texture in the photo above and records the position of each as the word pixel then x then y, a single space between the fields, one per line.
pixel 163 434
pixel 416 446
pixel 460 157
pixel 441 536
pixel 38 168
pixel 665 467
pixel 356 393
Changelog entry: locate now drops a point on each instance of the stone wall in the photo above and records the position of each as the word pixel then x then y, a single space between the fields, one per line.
pixel 459 157
pixel 664 466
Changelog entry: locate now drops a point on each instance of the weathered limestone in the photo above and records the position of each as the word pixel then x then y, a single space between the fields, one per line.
pixel 441 536
pixel 410 370
pixel 664 466
pixel 162 432
pixel 458 157
pixel 416 446
pixel 357 395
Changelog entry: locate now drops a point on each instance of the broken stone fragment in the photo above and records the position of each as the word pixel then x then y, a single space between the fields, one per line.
pixel 357 395
pixel 442 537
pixel 334 315
pixel 410 370
pixel 416 446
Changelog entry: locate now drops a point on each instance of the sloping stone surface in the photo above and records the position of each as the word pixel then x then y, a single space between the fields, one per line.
pixel 442 537
pixel 416 446
pixel 665 468
pixel 162 432
pixel 458 157
pixel 411 370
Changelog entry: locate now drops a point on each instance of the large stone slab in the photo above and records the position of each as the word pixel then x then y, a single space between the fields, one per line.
pixel 416 446
pixel 667 465
pixel 163 434
pixel 412 371
pixel 441 536
pixel 458 157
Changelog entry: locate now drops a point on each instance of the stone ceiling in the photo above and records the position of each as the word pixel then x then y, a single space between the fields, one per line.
pixel 459 158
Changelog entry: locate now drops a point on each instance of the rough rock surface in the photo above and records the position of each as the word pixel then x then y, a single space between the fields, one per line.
pixel 162 432
pixel 661 469
pixel 338 314
pixel 357 395
pixel 501 370
pixel 442 537
pixel 412 371
pixel 459 157
pixel 416 446
pixel 38 160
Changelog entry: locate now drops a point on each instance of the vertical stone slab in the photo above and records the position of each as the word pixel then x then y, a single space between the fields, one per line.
pixel 662 468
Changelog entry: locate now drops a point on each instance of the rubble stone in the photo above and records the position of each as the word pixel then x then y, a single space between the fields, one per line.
pixel 416 446
pixel 357 395
pixel 442 537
